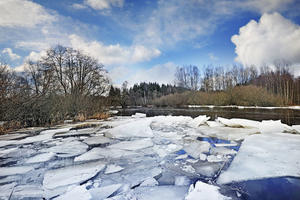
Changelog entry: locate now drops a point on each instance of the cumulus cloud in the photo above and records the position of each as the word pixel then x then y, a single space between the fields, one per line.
pixel 22 13
pixel 270 39
pixel 114 54
pixel 11 54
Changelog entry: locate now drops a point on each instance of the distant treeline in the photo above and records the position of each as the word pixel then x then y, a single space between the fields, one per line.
pixel 141 94
pixel 238 85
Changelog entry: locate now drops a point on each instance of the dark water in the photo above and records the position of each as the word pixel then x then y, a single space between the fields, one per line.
pixel 283 188
pixel 287 116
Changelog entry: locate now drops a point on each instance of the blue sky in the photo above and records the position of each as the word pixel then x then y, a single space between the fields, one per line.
pixel 145 40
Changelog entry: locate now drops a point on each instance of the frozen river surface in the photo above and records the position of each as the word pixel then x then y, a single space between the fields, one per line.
pixel 162 157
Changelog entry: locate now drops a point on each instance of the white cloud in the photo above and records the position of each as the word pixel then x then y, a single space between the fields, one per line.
pixel 114 54
pixel 11 54
pixel 104 4
pixel 22 13
pixel 163 74
pixel 78 6
pixel 264 6
pixel 271 39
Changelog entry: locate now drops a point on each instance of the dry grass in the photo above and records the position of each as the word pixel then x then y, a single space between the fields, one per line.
pixel 9 127
pixel 100 116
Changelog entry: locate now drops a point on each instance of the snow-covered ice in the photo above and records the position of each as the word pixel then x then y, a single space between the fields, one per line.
pixel 198 121
pixel 238 123
pixel 203 191
pixel 265 156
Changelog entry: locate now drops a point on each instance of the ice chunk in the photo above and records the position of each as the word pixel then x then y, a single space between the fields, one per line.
pixel 133 144
pixel 68 149
pixel 203 156
pixel 228 133
pixel 137 128
pixel 138 115
pixel 4 152
pixel 213 158
pixel 43 136
pixel 104 192
pixel 270 126
pixel 149 182
pixel 265 156
pixel 164 150
pixel 12 136
pixel 236 122
pixel 213 124
pixel 76 193
pixel 6 190
pixel 97 140
pixel 99 153
pixel 198 121
pixel 44 157
pixel 27 191
pixel 203 191
pixel 296 129
pixel 6 171
pixel 188 168
pixel 71 175
pixel 159 192
pixel 208 169
pixel 182 180
pixel 184 156
pixel 195 148
pixel 113 169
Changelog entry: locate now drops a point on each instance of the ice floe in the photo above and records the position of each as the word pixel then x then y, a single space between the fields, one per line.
pixel 264 156
pixel 71 175
pixel 137 128
pixel 68 149
pixel 44 157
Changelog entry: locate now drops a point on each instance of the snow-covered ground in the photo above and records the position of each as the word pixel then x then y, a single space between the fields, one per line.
pixel 139 157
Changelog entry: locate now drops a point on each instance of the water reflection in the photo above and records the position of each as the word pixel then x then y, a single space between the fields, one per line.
pixel 287 116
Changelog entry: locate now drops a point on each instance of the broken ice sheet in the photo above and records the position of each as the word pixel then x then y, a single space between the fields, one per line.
pixel 6 171
pixel 133 144
pixel 113 169
pixel 105 191
pixel 265 156
pixel 71 175
pixel 68 149
pixel 137 128
pixel 44 157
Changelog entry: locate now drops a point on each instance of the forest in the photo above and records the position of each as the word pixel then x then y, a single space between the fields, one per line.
pixel 68 84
